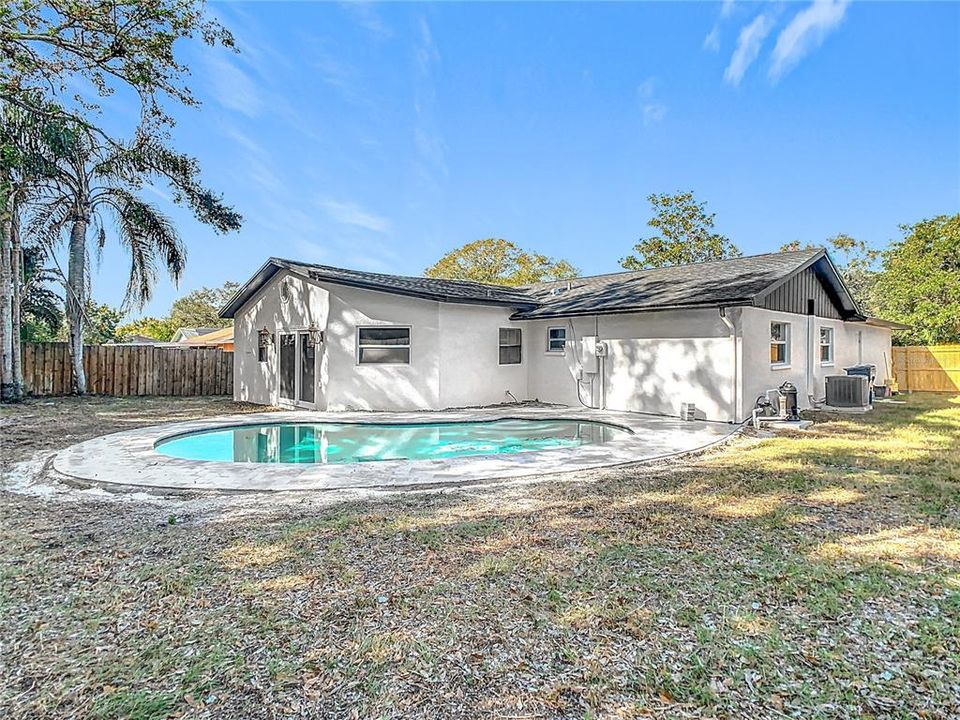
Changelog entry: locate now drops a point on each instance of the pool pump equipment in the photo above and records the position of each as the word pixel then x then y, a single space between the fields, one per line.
pixel 786 408
pixel 788 402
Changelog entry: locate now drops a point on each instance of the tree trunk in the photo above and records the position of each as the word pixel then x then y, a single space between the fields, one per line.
pixel 16 250
pixel 6 302
pixel 76 300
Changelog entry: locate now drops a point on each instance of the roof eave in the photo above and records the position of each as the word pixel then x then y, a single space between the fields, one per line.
pixel 888 324
pixel 423 295
pixel 247 290
pixel 737 302
pixel 274 264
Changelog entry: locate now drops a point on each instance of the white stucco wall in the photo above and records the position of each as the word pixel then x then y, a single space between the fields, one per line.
pixel 454 351
pixel 470 370
pixel 854 342
pixel 657 361
pixel 256 381
pixel 352 386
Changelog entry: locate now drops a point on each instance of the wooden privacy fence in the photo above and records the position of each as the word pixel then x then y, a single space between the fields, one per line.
pixel 129 370
pixel 934 368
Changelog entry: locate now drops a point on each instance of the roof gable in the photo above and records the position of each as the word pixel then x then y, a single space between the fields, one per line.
pixel 453 291
pixel 735 281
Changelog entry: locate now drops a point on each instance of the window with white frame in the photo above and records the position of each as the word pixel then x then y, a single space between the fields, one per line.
pixel 511 352
pixel 779 344
pixel 383 345
pixel 826 346
pixel 556 339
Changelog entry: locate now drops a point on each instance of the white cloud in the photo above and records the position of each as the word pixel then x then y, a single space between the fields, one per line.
pixel 428 139
pixel 157 192
pixel 646 88
pixel 653 110
pixel 804 33
pixel 748 48
pixel 654 113
pixel 431 148
pixel 245 141
pixel 712 40
pixel 365 16
pixel 309 251
pixel 425 51
pixel 233 88
pixel 349 213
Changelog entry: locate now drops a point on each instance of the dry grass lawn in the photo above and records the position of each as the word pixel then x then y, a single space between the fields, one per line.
pixel 816 575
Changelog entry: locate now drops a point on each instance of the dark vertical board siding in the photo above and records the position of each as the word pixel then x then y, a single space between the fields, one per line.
pixel 792 296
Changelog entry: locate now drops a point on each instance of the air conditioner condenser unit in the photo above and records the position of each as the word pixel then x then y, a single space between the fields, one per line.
pixel 848 391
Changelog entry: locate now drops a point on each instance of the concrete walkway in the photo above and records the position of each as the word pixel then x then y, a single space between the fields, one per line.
pixel 129 458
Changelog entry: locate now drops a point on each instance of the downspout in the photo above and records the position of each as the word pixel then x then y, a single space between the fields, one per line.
pixel 603 365
pixel 811 395
pixel 731 328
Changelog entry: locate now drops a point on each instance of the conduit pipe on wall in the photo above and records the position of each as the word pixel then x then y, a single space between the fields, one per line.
pixel 731 328
pixel 577 369
pixel 808 376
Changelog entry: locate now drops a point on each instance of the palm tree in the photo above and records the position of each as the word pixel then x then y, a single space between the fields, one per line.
pixel 96 185
pixel 28 141
pixel 40 306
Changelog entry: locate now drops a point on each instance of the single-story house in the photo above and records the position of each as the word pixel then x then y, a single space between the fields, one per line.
pixel 186 333
pixel 222 339
pixel 717 334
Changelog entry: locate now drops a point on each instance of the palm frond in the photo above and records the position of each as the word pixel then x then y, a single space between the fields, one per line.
pixel 148 235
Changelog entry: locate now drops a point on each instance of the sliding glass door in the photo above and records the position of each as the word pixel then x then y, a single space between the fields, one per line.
pixel 288 366
pixel 308 368
pixel 298 368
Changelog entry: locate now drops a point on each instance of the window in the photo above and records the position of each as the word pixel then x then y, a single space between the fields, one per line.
pixel 779 343
pixel 556 339
pixel 383 345
pixel 826 346
pixel 510 353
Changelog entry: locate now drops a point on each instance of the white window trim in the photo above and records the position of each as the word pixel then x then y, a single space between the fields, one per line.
pixel 548 351
pixel 786 342
pixel 499 346
pixel 409 345
pixel 831 345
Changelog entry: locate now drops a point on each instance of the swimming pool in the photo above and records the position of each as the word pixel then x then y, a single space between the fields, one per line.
pixel 341 443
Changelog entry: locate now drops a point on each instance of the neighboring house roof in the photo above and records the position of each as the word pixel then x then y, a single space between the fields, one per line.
pixel 185 333
pixel 456 291
pixel 737 281
pixel 140 340
pixel 217 337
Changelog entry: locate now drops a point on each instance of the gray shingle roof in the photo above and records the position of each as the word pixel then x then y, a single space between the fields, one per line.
pixel 455 291
pixel 431 288
pixel 719 282
pixel 722 282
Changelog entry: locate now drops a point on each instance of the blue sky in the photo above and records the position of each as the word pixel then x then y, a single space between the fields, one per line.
pixel 380 136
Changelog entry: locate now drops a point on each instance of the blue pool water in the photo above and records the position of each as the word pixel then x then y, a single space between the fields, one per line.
pixel 330 443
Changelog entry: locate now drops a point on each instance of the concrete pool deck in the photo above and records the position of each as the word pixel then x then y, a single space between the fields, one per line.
pixel 128 458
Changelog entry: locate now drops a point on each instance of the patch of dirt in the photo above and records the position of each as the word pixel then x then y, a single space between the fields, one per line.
pixel 804 576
